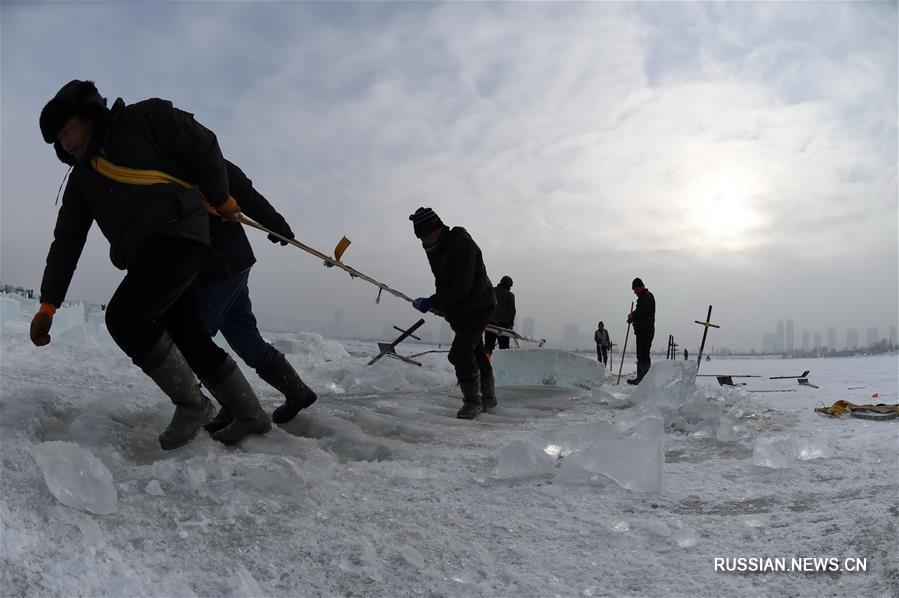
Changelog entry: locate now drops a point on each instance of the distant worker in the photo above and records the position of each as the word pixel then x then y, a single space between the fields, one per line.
pixel 644 320
pixel 504 316
pixel 686 355
pixel 465 297
pixel 601 336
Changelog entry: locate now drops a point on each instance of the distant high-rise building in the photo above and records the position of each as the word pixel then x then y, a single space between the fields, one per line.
pixel 789 346
pixel 571 336
pixel 893 334
pixel 769 343
pixel 831 338
pixel 780 337
pixel 818 345
pixel 852 339
pixel 427 337
pixel 527 327
pixel 873 337
pixel 805 341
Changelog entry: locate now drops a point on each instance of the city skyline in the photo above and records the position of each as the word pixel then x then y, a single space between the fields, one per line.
pixel 770 340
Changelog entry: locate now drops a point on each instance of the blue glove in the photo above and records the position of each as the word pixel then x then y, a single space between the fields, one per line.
pixel 422 304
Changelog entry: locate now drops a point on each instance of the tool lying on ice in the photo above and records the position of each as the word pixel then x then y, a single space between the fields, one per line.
pixel 878 412
pixel 801 378
pixel 802 375
pixel 727 379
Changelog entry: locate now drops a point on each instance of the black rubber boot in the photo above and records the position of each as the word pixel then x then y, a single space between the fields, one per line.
pixel 192 408
pixel 236 394
pixel 221 419
pixel 642 370
pixel 471 397
pixel 297 396
pixel 488 392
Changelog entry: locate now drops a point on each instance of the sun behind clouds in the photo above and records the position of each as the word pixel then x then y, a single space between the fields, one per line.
pixel 724 208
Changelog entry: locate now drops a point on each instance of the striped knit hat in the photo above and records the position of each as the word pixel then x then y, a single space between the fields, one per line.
pixel 424 220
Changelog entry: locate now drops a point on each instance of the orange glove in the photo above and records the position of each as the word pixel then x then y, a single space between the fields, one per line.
pixel 41 323
pixel 229 210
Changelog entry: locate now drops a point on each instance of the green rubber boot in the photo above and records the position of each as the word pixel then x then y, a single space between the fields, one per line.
pixel 192 408
pixel 237 396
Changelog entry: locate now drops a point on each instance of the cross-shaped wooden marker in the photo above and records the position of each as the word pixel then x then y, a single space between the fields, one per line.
pixel 706 325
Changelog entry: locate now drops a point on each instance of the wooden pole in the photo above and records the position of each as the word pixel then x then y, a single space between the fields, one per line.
pixel 624 350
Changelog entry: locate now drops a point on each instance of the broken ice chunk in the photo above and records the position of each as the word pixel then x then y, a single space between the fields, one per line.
pixel 76 477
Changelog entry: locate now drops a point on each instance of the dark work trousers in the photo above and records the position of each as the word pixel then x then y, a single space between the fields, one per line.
pixel 602 354
pixel 644 343
pixel 225 305
pixel 159 294
pixel 467 353
pixel 491 340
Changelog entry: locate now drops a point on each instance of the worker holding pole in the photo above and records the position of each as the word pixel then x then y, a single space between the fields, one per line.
pixel 644 320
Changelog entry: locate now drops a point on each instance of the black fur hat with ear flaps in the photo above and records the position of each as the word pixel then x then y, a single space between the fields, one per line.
pixel 75 97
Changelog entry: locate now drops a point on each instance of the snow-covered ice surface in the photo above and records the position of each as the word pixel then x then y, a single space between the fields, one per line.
pixel 378 491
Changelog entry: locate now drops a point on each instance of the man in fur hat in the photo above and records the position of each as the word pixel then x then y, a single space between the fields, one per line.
pixel 142 172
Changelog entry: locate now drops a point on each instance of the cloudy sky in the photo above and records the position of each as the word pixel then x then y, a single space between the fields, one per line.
pixel 735 154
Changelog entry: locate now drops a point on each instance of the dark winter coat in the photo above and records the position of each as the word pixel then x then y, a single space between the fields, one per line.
pixel 460 276
pixel 602 337
pixel 229 239
pixel 505 306
pixel 147 135
pixel 645 314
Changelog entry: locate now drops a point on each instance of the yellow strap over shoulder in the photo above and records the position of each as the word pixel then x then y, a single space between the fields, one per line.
pixel 135 176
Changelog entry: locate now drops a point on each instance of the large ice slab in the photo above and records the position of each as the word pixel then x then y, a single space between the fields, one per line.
pixel 10 310
pixel 778 452
pixel 76 477
pixel 670 388
pixel 633 463
pixel 546 367
pixel 524 458
pixel 631 454
pixel 68 317
pixel 669 385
